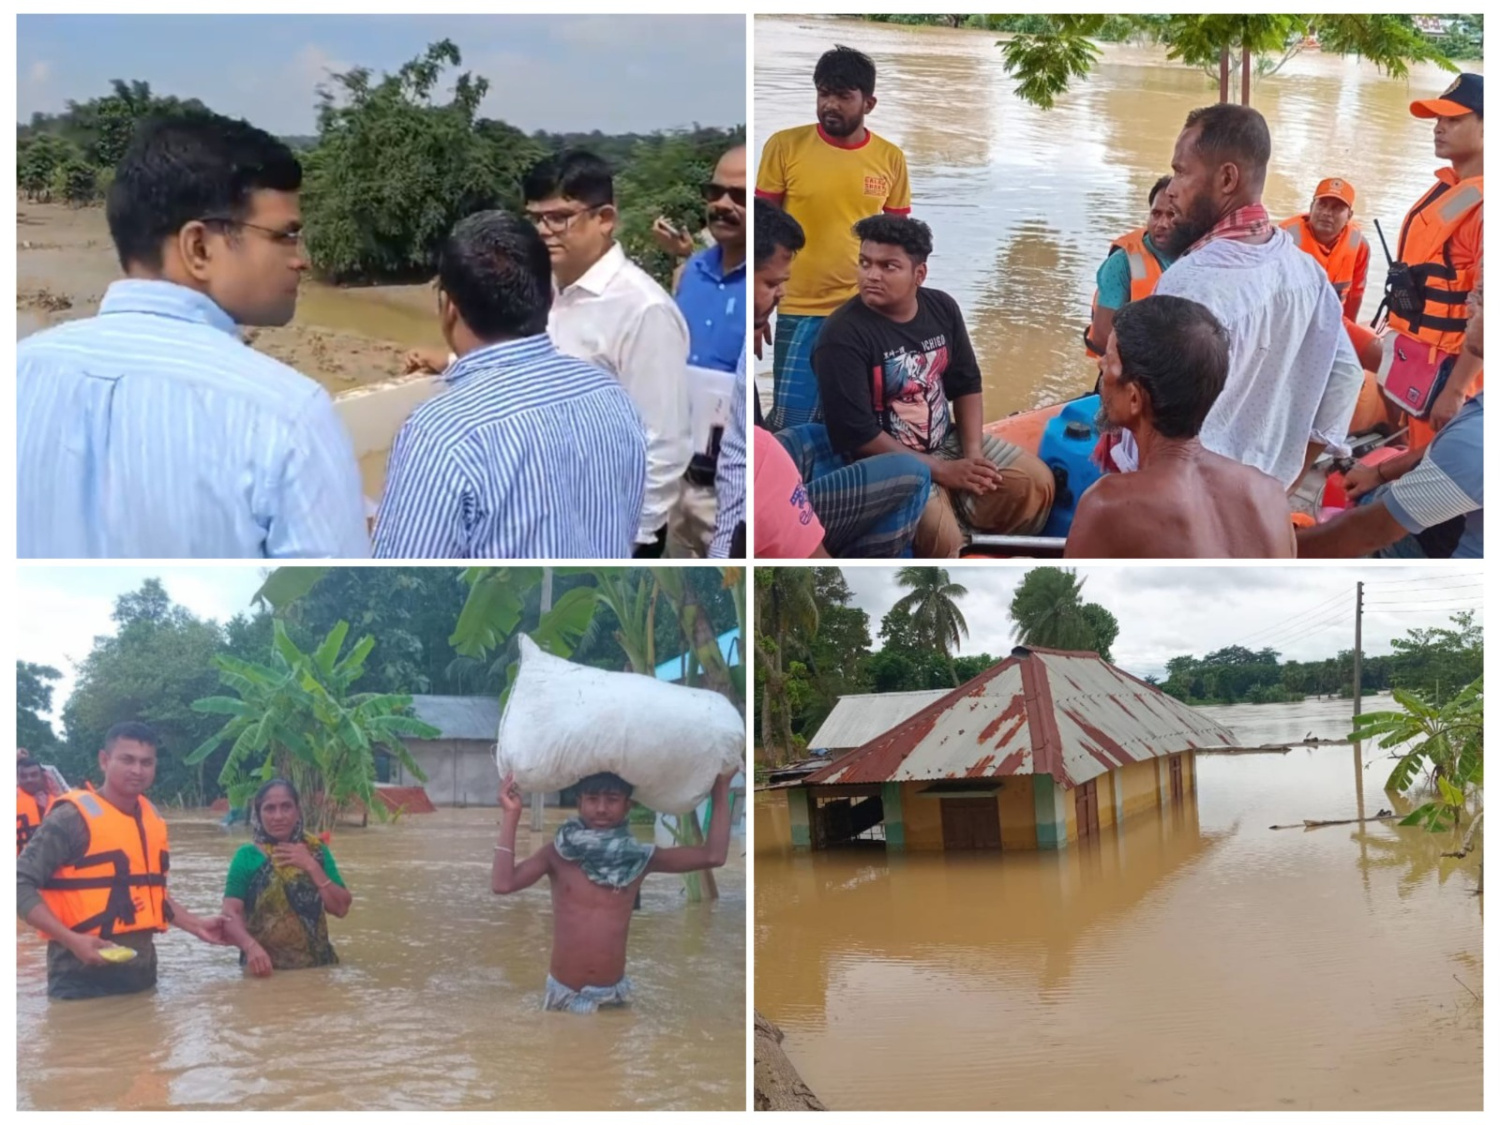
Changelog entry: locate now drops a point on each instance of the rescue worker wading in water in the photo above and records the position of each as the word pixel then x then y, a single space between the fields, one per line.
pixel 31 799
pixel 94 876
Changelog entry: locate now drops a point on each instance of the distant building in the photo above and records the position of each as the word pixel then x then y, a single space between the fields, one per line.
pixel 1432 25
pixel 1045 748
pixel 855 719
pixel 460 761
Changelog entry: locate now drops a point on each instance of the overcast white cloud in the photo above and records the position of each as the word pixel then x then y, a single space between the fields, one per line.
pixel 61 609
pixel 1304 612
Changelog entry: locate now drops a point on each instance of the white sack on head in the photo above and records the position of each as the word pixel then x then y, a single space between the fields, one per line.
pixel 564 721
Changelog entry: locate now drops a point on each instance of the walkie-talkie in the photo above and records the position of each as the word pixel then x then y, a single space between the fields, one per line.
pixel 1402 293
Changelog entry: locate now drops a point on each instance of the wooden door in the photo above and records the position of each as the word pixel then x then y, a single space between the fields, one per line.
pixel 970 823
pixel 1175 772
pixel 1086 805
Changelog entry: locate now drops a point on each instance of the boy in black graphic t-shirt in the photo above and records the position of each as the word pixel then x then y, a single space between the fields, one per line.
pixel 896 373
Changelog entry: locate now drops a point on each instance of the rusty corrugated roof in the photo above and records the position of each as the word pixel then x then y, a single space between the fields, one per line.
pixel 855 719
pixel 1068 714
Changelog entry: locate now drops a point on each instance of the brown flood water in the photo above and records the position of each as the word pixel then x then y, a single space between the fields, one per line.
pixel 1196 961
pixel 1024 202
pixel 434 1006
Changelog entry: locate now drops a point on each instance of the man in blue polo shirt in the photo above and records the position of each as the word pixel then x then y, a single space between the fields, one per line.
pixel 711 297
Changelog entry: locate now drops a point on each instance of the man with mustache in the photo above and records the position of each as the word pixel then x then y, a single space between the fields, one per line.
pixel 711 296
pixel 828 176
pixel 1163 368
pixel 1293 377
pixel 1327 232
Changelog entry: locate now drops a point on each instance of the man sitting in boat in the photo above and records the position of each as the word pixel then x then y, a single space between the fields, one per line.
pixel 896 373
pixel 1326 231
pixel 1293 376
pixel 868 509
pixel 1164 367
pixel 1131 270
pixel 1424 503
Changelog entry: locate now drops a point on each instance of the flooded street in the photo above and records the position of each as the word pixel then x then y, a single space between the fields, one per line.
pixel 1024 202
pixel 1188 960
pixel 435 1005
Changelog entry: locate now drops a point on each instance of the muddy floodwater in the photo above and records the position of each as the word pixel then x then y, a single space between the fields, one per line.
pixel 435 1004
pixel 1024 202
pixel 1195 960
pixel 342 337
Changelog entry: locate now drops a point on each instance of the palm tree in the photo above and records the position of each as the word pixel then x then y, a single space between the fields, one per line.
pixel 785 606
pixel 933 610
pixel 1048 610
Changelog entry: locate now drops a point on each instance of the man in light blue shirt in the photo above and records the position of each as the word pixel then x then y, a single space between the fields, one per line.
pixel 527 453
pixel 151 430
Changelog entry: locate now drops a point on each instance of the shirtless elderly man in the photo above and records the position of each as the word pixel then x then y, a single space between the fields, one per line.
pixel 1164 367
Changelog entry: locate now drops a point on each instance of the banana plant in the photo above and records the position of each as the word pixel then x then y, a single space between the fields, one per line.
pixel 296 718
pixel 1439 747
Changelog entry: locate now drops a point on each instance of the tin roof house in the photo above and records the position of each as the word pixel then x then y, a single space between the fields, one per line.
pixel 1044 748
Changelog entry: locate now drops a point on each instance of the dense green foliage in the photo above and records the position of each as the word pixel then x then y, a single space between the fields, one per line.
pixel 392 168
pixel 1433 663
pixel 33 700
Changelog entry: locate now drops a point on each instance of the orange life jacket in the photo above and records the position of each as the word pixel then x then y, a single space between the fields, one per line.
pixel 1145 272
pixel 120 886
pixel 1338 260
pixel 1424 246
pixel 29 813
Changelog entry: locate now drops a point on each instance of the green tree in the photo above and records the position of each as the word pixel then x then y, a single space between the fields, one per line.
pixel 394 170
pixel 33 700
pixel 932 606
pixel 1047 62
pixel 38 162
pixel 75 182
pixel 297 718
pixel 1048 611
pixel 785 608
pixel 158 661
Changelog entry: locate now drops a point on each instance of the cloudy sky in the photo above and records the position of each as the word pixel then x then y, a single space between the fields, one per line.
pixel 560 73
pixel 1304 612
pixel 60 609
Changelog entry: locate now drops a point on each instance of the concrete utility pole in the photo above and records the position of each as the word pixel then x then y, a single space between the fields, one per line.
pixel 1359 614
pixel 539 800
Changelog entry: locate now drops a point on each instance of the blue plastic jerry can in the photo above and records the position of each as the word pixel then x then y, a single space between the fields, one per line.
pixel 1066 446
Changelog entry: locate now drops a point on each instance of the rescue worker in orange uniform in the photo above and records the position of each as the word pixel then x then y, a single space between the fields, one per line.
pixel 1131 270
pixel 1327 232
pixel 32 799
pixel 1440 243
pixel 94 877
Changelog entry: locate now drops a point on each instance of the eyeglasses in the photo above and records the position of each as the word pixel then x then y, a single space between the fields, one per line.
pixel 712 191
pixel 290 239
pixel 556 222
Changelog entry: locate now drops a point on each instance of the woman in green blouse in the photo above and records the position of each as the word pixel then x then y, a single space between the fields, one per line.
pixel 281 888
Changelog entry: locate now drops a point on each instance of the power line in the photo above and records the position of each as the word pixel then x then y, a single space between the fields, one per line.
pixel 1273 628
pixel 1424 581
pixel 1433 590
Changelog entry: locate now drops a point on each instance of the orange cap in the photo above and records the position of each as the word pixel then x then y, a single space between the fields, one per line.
pixel 1466 95
pixel 1336 189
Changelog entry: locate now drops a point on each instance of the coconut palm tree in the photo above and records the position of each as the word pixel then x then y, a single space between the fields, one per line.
pixel 1048 610
pixel 933 609
pixel 785 606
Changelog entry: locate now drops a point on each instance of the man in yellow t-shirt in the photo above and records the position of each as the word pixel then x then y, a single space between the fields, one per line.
pixel 828 176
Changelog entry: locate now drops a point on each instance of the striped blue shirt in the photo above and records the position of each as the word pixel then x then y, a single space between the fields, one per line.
pixel 729 483
pixel 528 454
pixel 152 431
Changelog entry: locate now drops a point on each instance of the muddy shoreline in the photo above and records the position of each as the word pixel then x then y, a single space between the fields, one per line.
pixel 342 337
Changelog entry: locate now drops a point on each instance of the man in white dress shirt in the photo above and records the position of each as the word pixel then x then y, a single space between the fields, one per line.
pixel 610 313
